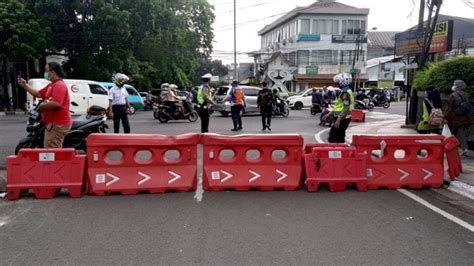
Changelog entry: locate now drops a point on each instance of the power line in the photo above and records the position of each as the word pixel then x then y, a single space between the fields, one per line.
pixel 245 7
pixel 228 27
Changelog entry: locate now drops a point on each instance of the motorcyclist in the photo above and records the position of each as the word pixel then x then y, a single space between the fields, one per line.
pixel 277 102
pixel 362 98
pixel 177 102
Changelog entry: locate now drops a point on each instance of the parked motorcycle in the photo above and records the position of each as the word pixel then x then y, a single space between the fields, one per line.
pixel 165 111
pixel 364 105
pixel 381 100
pixel 82 127
pixel 281 108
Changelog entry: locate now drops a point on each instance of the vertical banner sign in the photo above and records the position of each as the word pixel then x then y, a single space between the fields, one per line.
pixel 442 37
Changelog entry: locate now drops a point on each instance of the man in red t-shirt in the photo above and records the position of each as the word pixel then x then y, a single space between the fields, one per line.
pixel 55 105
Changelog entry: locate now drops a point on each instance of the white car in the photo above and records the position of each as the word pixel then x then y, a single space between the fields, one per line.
pixel 83 93
pixel 303 99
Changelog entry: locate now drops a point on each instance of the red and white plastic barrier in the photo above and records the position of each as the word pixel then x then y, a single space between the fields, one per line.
pixel 261 162
pixel 129 164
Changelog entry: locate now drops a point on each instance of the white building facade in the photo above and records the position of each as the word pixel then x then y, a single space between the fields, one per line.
pixel 318 42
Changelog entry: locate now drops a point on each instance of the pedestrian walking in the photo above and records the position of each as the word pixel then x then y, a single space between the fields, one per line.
pixel 55 105
pixel 432 115
pixel 457 114
pixel 343 106
pixel 265 102
pixel 118 103
pixel 237 104
pixel 204 102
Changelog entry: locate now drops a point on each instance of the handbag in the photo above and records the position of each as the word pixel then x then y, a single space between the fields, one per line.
pixel 436 117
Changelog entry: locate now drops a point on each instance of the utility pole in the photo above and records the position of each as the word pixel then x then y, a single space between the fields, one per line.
pixel 235 41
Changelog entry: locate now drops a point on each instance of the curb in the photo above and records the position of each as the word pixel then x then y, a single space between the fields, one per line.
pixel 462 188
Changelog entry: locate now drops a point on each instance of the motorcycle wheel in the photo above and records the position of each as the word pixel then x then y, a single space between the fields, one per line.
pixel 370 107
pixel 162 118
pixel 155 114
pixel 132 110
pixel 286 112
pixel 26 145
pixel 193 116
pixel 313 111
pixel 386 104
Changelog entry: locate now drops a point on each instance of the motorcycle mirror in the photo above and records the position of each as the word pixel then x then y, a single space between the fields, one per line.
pixel 74 104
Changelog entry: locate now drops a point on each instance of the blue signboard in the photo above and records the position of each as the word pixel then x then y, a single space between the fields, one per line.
pixel 309 37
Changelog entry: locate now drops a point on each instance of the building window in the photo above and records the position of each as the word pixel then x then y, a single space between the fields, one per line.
pixel 352 26
pixel 335 27
pixel 324 57
pixel 348 56
pixel 292 58
pixel 302 58
pixel 304 26
pixel 324 26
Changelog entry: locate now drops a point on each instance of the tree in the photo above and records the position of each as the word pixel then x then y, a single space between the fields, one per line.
pixel 442 74
pixel 215 67
pixel 21 36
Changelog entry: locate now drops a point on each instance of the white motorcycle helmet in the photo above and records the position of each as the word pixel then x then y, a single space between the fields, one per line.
pixel 120 79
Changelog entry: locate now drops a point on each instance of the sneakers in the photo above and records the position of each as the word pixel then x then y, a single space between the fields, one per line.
pixel 234 129
pixel 268 127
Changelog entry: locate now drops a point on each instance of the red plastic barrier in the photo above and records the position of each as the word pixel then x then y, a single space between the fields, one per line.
pixel 451 145
pixel 357 116
pixel 336 166
pixel 261 162
pixel 45 171
pixel 132 163
pixel 309 147
pixel 413 161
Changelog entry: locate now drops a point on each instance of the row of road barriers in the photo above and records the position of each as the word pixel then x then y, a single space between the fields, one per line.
pixel 132 164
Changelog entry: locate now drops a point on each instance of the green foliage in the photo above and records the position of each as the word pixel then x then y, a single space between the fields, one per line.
pixel 442 74
pixel 152 41
pixel 21 34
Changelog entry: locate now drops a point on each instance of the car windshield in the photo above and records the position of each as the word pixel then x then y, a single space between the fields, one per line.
pixel 222 91
pixel 301 93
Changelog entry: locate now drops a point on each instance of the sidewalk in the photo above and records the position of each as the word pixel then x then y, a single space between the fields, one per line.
pixel 463 185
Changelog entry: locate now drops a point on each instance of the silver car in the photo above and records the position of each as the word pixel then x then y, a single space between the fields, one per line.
pixel 223 92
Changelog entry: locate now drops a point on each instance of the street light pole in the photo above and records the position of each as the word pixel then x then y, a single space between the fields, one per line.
pixel 235 40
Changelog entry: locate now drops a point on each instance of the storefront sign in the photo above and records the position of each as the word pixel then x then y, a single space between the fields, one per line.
pixel 411 42
pixel 351 38
pixel 309 37
pixel 312 70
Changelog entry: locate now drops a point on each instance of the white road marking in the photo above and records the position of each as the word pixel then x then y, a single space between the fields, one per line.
pixel 318 135
pixel 176 177
pixel 255 176
pixel 114 179
pixel 3 221
pixel 282 177
pixel 437 210
pixel 145 178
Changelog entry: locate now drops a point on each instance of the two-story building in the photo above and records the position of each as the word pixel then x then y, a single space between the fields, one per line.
pixel 316 42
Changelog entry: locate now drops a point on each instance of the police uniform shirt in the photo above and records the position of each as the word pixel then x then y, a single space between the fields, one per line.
pixel 118 96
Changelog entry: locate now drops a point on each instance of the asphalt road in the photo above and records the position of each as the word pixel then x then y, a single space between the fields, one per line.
pixel 376 227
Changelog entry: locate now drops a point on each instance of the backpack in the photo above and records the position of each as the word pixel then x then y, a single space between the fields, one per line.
pixel 194 93
pixel 265 98
pixel 436 117
pixel 464 108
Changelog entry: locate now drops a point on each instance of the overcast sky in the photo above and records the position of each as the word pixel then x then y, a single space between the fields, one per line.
pixel 253 15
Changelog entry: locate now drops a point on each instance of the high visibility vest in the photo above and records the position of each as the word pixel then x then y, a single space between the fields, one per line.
pixel 339 105
pixel 237 95
pixel 200 96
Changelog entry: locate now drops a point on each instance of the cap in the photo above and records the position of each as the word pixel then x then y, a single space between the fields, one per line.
pixel 207 76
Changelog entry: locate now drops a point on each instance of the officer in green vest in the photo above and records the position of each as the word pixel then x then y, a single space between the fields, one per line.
pixel 204 101
pixel 343 106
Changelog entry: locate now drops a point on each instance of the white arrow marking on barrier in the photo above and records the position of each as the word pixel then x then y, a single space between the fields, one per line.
pixel 282 177
pixel 145 178
pixel 114 179
pixel 404 174
pixel 428 174
pixel 227 176
pixel 255 176
pixel 176 177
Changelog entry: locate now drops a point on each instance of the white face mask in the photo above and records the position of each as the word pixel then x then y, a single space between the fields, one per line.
pixel 453 88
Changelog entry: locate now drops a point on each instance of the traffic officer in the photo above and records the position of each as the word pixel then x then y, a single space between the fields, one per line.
pixel 118 103
pixel 204 101
pixel 237 101
pixel 343 106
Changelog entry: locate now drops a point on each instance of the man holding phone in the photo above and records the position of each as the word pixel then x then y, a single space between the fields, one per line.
pixel 55 106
